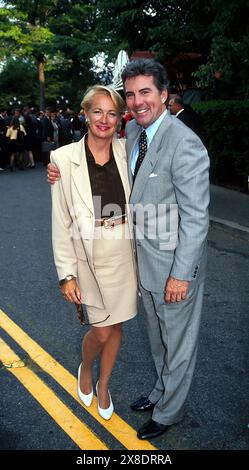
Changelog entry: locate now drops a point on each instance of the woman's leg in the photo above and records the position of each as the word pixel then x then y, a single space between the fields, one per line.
pixel 20 160
pixel 108 358
pixel 12 160
pixel 105 341
pixel 31 158
pixel 92 344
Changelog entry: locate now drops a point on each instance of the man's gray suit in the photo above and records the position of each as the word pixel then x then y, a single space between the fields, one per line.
pixel 171 242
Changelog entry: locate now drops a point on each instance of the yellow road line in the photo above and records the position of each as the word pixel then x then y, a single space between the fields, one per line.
pixel 78 431
pixel 122 431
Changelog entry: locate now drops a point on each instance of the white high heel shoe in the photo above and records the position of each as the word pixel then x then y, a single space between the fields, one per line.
pixel 86 399
pixel 105 413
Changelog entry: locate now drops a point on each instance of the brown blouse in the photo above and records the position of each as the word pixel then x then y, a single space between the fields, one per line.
pixel 105 182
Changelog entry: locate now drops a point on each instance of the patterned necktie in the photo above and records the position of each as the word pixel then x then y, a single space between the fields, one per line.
pixel 142 145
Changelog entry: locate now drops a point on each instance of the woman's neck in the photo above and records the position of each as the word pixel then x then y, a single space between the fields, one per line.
pixel 99 145
pixel 100 148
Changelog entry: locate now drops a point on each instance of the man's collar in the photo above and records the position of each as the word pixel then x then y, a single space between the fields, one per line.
pixel 152 128
pixel 179 112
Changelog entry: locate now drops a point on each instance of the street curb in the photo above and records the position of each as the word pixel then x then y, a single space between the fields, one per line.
pixel 237 230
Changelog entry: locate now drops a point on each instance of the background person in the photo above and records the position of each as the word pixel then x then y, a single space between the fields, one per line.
pixel 47 135
pixel 16 133
pixel 186 114
pixel 30 140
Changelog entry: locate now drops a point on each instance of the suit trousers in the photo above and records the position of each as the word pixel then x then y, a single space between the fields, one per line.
pixel 173 331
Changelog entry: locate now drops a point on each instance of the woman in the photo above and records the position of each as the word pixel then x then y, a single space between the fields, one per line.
pixel 92 238
pixel 16 133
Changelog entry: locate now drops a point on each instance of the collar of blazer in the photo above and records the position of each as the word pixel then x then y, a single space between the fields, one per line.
pixel 80 173
pixel 150 158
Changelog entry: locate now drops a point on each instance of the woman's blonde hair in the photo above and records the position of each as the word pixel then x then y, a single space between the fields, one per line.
pixel 102 90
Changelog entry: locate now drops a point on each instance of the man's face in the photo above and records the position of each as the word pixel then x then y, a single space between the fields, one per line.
pixel 144 100
pixel 173 107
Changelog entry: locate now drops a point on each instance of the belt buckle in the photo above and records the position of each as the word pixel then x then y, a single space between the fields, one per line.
pixel 108 223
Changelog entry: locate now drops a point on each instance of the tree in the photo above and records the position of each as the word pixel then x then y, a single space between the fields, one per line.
pixel 24 34
pixel 125 24
pixel 74 29
pixel 56 33
pixel 217 29
pixel 227 60
pixel 18 79
pixel 62 36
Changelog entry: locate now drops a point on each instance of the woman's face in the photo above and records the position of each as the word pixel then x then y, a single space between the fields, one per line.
pixel 103 117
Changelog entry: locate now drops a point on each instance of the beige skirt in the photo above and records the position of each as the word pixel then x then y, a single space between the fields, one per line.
pixel 115 273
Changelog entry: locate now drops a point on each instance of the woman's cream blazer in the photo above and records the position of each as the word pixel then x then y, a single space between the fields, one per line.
pixel 73 216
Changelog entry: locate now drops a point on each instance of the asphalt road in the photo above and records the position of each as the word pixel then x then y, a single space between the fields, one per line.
pixel 217 409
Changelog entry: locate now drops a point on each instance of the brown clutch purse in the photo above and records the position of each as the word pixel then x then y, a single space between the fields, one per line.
pixel 81 316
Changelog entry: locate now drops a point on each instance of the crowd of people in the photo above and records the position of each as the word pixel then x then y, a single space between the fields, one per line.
pixel 27 136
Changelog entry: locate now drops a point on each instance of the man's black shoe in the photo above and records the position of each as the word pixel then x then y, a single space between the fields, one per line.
pixel 152 429
pixel 142 404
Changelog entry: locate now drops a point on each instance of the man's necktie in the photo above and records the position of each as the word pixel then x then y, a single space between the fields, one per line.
pixel 142 146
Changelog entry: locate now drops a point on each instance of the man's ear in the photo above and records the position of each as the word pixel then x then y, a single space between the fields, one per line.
pixel 164 96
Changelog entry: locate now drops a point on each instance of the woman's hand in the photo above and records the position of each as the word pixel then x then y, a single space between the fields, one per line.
pixel 71 292
pixel 53 173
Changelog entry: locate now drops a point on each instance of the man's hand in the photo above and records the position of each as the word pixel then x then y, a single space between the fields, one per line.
pixel 175 290
pixel 53 173
pixel 71 292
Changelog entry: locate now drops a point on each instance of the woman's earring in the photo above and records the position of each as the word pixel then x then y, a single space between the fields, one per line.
pixel 86 121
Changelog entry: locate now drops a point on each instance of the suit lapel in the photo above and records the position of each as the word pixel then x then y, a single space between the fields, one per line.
pixel 121 161
pixel 130 144
pixel 150 161
pixel 80 174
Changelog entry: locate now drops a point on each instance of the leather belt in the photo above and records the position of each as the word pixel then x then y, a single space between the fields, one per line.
pixel 110 222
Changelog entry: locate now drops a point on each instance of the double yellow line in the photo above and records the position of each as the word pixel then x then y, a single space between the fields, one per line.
pixel 73 426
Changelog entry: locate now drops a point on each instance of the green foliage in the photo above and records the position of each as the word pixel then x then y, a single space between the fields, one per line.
pixel 59 34
pixel 18 79
pixel 225 124
pixel 20 37
pixel 66 34
pixel 217 29
pixel 228 52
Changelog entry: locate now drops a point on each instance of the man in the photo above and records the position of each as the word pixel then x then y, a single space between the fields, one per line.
pixel 186 114
pixel 168 171
pixel 173 172
pixel 47 135
pixel 3 139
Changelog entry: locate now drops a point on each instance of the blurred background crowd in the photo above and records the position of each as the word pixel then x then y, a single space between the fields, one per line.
pixel 28 136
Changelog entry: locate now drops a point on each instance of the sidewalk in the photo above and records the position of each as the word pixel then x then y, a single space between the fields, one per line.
pixel 229 210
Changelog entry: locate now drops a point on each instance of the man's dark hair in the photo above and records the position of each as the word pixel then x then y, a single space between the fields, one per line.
pixel 178 100
pixel 148 67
